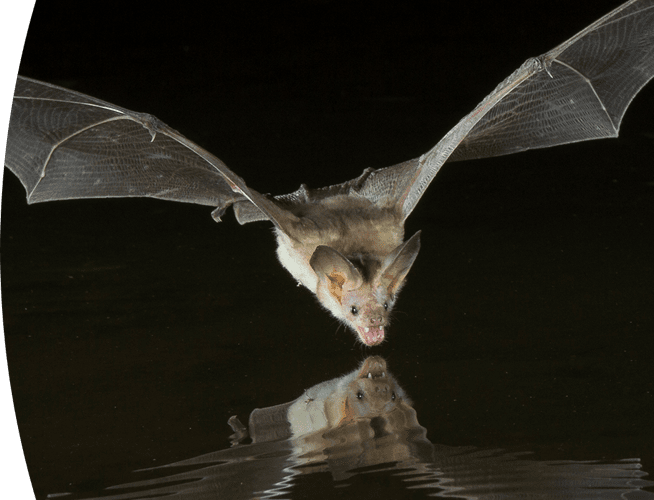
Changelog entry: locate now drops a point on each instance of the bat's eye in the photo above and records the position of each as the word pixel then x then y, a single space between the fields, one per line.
pixel 354 310
pixel 385 306
pixel 393 396
pixel 360 395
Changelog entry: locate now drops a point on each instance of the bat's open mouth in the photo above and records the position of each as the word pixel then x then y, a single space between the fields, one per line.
pixel 371 335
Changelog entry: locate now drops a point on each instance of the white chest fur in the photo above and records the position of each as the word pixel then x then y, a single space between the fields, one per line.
pixel 295 259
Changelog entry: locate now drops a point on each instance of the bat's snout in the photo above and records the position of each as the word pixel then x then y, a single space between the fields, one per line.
pixel 371 335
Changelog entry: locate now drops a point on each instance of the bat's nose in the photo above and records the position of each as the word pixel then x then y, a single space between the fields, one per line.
pixel 376 320
pixel 385 393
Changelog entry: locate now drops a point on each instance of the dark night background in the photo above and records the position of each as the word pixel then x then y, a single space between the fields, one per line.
pixel 135 328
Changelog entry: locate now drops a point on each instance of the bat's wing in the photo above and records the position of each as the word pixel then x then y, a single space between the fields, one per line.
pixel 578 91
pixel 270 424
pixel 63 145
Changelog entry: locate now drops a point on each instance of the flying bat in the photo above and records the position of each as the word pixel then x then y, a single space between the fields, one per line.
pixel 345 242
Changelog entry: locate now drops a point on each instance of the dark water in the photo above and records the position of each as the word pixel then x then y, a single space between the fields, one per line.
pixel 390 466
pixel 135 328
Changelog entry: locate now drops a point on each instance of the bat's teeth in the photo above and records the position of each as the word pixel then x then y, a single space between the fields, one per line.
pixel 383 374
pixel 366 329
pixel 369 375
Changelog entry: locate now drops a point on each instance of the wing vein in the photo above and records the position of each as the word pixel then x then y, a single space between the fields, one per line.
pixel 592 87
pixel 68 137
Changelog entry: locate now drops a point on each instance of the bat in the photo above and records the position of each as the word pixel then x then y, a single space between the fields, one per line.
pixel 367 392
pixel 344 242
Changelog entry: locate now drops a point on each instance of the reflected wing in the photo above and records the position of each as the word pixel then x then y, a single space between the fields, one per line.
pixel 63 144
pixel 578 91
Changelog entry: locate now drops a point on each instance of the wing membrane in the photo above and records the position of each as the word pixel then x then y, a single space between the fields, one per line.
pixel 63 145
pixel 578 91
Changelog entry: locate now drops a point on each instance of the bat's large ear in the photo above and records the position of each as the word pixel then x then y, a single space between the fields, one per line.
pixel 398 263
pixel 339 273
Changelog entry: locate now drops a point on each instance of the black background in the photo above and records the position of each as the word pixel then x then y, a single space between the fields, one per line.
pixel 135 328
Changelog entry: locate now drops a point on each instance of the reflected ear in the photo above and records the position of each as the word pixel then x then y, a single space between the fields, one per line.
pixel 398 263
pixel 336 270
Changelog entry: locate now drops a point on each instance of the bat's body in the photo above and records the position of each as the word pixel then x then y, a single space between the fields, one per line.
pixel 350 253
pixel 345 242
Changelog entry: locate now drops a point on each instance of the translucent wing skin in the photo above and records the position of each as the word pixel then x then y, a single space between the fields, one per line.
pixel 578 91
pixel 63 144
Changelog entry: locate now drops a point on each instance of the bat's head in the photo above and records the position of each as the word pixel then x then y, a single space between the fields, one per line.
pixel 372 393
pixel 362 298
